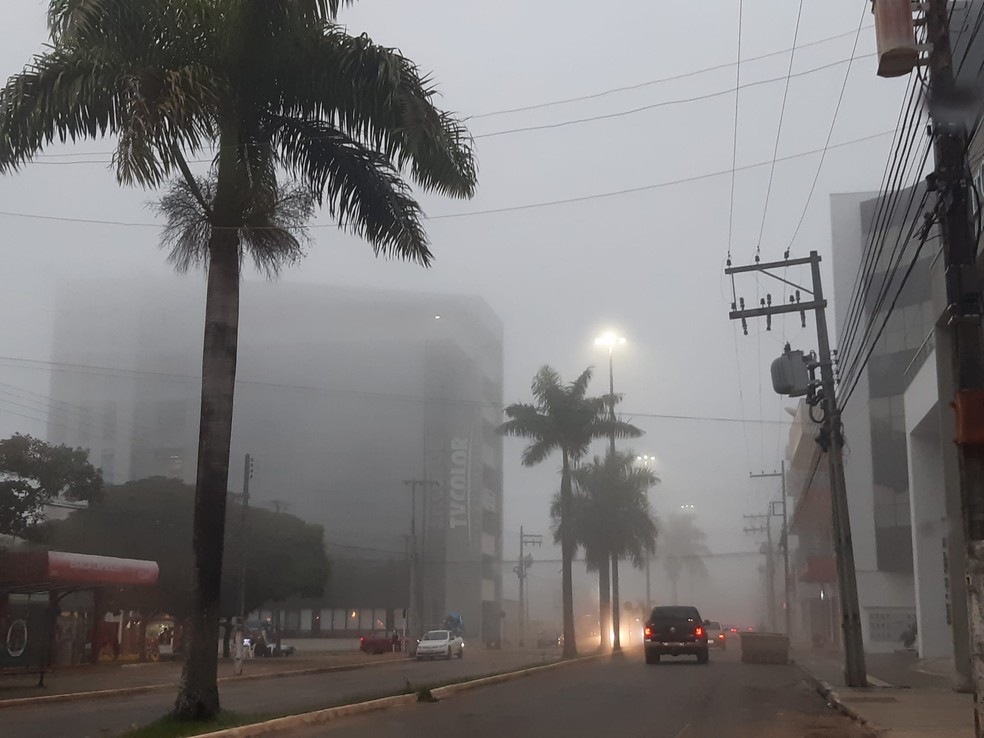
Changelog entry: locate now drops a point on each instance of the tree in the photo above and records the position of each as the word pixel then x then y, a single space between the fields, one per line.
pixel 611 518
pixel 152 519
pixel 279 94
pixel 34 473
pixel 681 544
pixel 563 418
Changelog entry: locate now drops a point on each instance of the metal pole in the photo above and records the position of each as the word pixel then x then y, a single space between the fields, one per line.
pixel 240 626
pixel 855 670
pixel 521 573
pixel 787 583
pixel 770 572
pixel 616 616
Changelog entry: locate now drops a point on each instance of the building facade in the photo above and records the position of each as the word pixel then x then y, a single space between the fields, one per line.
pixel 348 402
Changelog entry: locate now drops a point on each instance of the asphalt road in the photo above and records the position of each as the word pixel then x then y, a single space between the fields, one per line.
pixel 270 697
pixel 620 697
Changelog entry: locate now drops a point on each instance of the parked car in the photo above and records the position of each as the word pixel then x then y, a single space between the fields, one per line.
pixel 440 644
pixel 717 636
pixel 380 642
pixel 674 631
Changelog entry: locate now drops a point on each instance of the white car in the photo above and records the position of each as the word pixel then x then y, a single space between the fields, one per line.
pixel 440 644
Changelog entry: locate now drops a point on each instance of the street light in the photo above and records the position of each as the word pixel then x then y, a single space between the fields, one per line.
pixel 651 463
pixel 610 340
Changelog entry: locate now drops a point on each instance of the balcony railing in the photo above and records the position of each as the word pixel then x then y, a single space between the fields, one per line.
pixel 924 352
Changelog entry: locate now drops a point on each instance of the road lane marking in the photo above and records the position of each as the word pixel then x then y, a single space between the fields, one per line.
pixel 685 729
pixel 878 682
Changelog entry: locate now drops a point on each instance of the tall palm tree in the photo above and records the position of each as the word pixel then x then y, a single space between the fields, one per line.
pixel 682 547
pixel 612 519
pixel 563 418
pixel 295 113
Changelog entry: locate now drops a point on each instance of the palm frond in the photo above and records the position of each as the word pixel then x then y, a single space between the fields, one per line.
pixel 378 96
pixel 360 186
pixel 271 232
pixel 579 387
pixel 64 95
pixel 545 385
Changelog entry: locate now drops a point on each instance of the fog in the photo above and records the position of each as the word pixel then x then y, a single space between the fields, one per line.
pixel 636 243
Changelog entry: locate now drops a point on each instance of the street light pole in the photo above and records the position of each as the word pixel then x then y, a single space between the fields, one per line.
pixel 611 340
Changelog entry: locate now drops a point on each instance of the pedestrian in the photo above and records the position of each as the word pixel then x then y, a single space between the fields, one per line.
pixel 396 641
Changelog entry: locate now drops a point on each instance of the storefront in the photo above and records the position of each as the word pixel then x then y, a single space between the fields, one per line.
pixel 59 608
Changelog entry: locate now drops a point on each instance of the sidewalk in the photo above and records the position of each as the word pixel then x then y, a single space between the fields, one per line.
pixel 908 698
pixel 146 676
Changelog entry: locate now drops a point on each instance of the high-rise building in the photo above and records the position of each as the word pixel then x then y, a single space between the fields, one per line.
pixel 343 396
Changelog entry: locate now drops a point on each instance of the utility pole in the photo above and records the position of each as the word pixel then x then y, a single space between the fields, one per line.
pixel 525 562
pixel 963 296
pixel 784 541
pixel 770 569
pixel 241 624
pixel 831 440
pixel 413 612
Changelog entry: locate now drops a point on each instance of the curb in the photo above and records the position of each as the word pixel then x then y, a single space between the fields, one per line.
pixel 144 689
pixel 292 722
pixel 827 692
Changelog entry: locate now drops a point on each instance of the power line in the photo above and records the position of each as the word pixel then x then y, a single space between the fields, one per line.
pixel 494 211
pixel 734 139
pixel 666 103
pixel 903 129
pixel 888 314
pixel 885 216
pixel 101 371
pixel 660 80
pixel 782 113
pixel 830 132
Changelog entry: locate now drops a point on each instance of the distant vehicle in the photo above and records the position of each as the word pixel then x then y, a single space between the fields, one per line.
pixel 380 642
pixel 440 644
pixel 674 631
pixel 455 623
pixel 549 640
pixel 716 635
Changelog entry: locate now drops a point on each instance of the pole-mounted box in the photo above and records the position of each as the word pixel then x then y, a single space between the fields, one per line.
pixel 790 375
pixel 895 33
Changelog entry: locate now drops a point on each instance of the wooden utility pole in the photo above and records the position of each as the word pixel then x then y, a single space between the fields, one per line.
pixel 963 297
pixel 831 440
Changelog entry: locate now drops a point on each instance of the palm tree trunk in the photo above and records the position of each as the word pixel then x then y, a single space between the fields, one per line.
pixel 198 697
pixel 616 625
pixel 673 589
pixel 605 604
pixel 567 556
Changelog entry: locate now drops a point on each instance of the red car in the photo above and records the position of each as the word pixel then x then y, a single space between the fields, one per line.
pixel 377 643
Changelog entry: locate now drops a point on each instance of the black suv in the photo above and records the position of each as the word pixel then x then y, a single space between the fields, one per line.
pixel 675 630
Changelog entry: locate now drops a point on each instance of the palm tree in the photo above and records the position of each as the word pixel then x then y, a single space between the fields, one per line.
pixel 295 113
pixel 611 519
pixel 682 548
pixel 563 418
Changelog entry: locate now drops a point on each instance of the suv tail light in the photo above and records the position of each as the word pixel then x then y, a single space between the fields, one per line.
pixel 698 631
pixel 649 632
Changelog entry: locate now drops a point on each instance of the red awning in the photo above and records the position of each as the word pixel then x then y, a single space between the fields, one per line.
pixel 820 570
pixel 57 569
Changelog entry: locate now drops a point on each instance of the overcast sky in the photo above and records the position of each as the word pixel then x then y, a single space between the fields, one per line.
pixel 647 263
